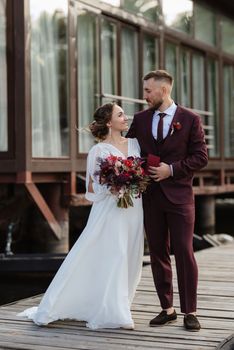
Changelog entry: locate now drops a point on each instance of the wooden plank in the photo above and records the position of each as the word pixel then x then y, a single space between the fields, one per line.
pixel 215 310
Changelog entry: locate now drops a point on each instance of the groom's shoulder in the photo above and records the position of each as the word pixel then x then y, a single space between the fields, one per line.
pixel 188 116
pixel 188 112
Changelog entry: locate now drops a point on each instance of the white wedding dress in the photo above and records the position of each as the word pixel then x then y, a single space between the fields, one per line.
pixel 97 280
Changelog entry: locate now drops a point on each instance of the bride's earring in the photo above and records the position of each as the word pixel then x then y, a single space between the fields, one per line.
pixel 110 131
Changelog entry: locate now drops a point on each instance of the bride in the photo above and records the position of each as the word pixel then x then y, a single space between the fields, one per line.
pixel 97 281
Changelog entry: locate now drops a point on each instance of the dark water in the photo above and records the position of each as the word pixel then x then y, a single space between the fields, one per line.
pixel 224 216
pixel 15 286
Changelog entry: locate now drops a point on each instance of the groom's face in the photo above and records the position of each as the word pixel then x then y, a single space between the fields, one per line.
pixel 153 93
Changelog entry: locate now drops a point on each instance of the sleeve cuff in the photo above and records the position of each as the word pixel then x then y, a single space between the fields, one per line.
pixel 171 168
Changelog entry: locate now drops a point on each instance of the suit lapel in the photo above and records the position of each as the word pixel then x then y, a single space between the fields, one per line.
pixel 175 119
pixel 147 119
pixel 148 127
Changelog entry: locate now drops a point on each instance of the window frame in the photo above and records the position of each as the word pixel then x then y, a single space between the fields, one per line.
pixel 10 78
pixel 230 64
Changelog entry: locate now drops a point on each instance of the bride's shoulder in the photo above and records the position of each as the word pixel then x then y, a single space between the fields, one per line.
pixel 94 149
pixel 134 142
pixel 98 145
pixel 134 146
pixel 97 149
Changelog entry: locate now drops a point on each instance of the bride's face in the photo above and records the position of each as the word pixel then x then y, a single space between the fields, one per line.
pixel 119 121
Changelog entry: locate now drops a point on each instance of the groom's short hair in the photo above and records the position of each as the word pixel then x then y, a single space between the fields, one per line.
pixel 160 74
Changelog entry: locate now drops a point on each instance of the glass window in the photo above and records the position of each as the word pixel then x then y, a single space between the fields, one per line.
pixel 49 78
pixel 228 111
pixel 150 53
pixel 199 95
pixel 213 99
pixel 171 66
pixel 227 30
pixel 185 78
pixel 3 75
pixel 179 15
pixel 109 59
pixel 87 76
pixel 205 24
pixel 112 2
pixel 198 86
pixel 149 9
pixel 129 69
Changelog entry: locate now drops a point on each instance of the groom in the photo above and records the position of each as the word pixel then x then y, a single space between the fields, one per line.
pixel 175 134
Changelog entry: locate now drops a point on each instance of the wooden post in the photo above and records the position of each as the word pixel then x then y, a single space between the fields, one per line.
pixel 53 193
pixel 205 215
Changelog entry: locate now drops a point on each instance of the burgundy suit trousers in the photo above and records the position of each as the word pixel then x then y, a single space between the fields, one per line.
pixel 167 223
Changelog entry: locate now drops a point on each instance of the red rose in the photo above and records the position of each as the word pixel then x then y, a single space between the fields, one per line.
pixel 177 125
pixel 128 162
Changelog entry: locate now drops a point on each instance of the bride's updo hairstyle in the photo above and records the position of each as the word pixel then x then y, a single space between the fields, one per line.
pixel 101 117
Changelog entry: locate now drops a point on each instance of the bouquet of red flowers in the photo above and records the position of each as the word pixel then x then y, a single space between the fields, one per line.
pixel 124 177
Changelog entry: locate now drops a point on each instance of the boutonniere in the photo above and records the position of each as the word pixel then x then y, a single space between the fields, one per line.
pixel 175 126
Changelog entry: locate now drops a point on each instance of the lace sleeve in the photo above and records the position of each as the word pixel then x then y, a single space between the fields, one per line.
pixel 138 148
pixel 135 147
pixel 94 191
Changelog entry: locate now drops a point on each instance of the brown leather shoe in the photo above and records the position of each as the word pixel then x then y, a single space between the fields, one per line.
pixel 163 318
pixel 191 323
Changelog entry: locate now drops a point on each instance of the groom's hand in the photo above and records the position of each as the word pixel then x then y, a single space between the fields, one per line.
pixel 163 171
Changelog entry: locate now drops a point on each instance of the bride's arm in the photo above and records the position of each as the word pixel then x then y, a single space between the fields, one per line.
pixel 92 166
pixel 90 185
pixel 94 191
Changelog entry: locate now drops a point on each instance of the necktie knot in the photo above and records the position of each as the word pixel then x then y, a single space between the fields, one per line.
pixel 161 115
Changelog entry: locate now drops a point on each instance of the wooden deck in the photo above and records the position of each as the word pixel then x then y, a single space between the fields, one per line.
pixel 215 310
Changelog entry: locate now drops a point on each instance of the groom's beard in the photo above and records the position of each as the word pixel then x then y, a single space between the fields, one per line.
pixel 156 106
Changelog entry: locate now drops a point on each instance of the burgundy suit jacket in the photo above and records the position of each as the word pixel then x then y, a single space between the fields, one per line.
pixel 184 149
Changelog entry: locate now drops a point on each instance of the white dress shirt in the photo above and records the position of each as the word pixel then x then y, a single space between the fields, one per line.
pixel 167 119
